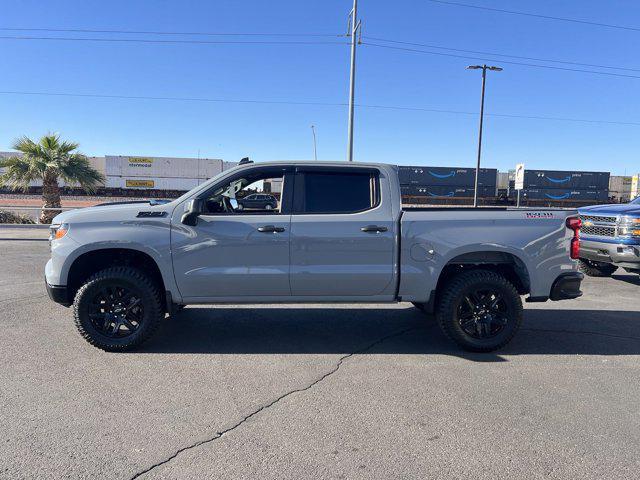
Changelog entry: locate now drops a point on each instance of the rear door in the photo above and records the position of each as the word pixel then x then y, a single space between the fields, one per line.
pixel 342 233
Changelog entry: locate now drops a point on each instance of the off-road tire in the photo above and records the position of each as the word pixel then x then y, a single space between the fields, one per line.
pixel 132 279
pixel 596 269
pixel 452 295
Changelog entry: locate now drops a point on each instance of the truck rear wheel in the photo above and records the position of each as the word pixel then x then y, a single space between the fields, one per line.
pixel 117 309
pixel 596 269
pixel 480 310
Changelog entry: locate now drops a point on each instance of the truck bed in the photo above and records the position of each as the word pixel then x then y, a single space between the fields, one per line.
pixel 532 239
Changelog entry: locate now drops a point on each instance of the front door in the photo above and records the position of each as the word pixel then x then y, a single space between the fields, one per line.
pixel 235 252
pixel 342 234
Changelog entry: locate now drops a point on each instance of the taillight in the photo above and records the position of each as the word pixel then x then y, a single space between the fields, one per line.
pixel 574 223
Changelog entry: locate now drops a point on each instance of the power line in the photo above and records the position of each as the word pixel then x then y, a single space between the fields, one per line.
pixel 440 47
pixel 201 42
pixel 309 103
pixel 551 67
pixel 527 14
pixel 157 32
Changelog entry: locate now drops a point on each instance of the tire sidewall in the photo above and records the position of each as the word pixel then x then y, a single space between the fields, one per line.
pixel 89 331
pixel 596 269
pixel 449 319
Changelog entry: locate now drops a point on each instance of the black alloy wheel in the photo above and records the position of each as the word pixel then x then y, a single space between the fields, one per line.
pixel 118 308
pixel 115 311
pixel 480 310
pixel 482 313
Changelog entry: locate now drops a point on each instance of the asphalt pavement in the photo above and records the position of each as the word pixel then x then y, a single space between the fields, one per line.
pixel 318 391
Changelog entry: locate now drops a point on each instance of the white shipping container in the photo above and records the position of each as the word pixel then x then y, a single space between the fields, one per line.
pixel 153 183
pixel 620 187
pixel 503 180
pixel 159 167
pixel 228 165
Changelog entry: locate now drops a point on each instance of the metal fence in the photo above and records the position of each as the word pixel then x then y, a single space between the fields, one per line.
pixel 35 217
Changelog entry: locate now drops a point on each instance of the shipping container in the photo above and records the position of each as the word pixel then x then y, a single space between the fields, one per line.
pixel 563 194
pixel 503 180
pixel 160 167
pixel 445 191
pixel 620 187
pixel 566 179
pixel 459 177
pixel 153 183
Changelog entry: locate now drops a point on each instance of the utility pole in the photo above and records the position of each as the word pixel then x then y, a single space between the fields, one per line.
pixel 484 80
pixel 315 151
pixel 353 30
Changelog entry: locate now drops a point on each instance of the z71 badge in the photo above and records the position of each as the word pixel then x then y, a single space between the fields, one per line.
pixel 539 215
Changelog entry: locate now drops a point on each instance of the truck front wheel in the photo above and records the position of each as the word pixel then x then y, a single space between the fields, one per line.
pixel 480 310
pixel 117 309
pixel 596 269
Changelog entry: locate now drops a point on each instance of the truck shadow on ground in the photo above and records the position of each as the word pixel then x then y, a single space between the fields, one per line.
pixel 335 330
pixel 632 279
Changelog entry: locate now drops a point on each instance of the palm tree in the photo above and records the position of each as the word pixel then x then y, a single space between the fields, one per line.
pixel 48 160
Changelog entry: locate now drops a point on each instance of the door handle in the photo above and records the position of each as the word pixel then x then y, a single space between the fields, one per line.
pixel 270 229
pixel 374 229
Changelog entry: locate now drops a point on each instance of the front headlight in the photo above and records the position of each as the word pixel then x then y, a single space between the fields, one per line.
pixel 57 231
pixel 629 227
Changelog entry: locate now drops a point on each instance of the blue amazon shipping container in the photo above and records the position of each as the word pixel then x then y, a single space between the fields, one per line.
pixel 566 179
pixel 443 191
pixel 564 194
pixel 451 176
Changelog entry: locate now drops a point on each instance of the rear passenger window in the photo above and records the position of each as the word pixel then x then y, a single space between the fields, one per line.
pixel 329 192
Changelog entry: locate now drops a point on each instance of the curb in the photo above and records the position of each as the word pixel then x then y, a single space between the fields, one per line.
pixel 22 226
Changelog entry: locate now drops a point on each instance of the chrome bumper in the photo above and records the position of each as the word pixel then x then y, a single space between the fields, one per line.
pixel 621 254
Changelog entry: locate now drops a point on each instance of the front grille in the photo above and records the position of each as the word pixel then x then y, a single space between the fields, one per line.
pixel 598 226
pixel 599 231
pixel 598 219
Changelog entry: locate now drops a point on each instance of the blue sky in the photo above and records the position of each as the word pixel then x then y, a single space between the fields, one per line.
pixel 319 73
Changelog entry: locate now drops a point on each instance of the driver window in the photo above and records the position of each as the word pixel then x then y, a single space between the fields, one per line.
pixel 253 193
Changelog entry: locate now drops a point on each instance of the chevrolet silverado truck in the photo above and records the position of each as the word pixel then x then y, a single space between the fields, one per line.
pixel 610 238
pixel 339 233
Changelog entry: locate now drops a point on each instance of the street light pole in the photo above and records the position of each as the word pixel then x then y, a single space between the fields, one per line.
pixel 315 151
pixel 484 81
pixel 353 29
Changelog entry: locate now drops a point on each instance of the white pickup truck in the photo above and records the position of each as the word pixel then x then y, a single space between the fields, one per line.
pixel 338 233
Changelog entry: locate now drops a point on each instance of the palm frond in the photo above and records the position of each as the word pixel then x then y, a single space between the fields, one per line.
pixel 78 170
pixel 20 172
pixel 27 146
pixel 52 155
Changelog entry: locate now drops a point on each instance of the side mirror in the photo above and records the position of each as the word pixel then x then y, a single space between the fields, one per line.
pixel 194 208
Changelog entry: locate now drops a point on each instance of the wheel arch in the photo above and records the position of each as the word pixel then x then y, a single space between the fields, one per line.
pixel 91 261
pixel 503 262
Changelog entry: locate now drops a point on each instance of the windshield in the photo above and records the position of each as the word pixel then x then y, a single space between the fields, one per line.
pixel 211 180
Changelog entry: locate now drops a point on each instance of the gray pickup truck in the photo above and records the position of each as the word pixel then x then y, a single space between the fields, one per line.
pixel 338 234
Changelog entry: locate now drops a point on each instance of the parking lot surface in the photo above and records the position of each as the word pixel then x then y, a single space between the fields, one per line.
pixel 318 391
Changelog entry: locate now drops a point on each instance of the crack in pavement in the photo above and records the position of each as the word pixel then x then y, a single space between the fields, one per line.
pixel 272 403
pixel 583 332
